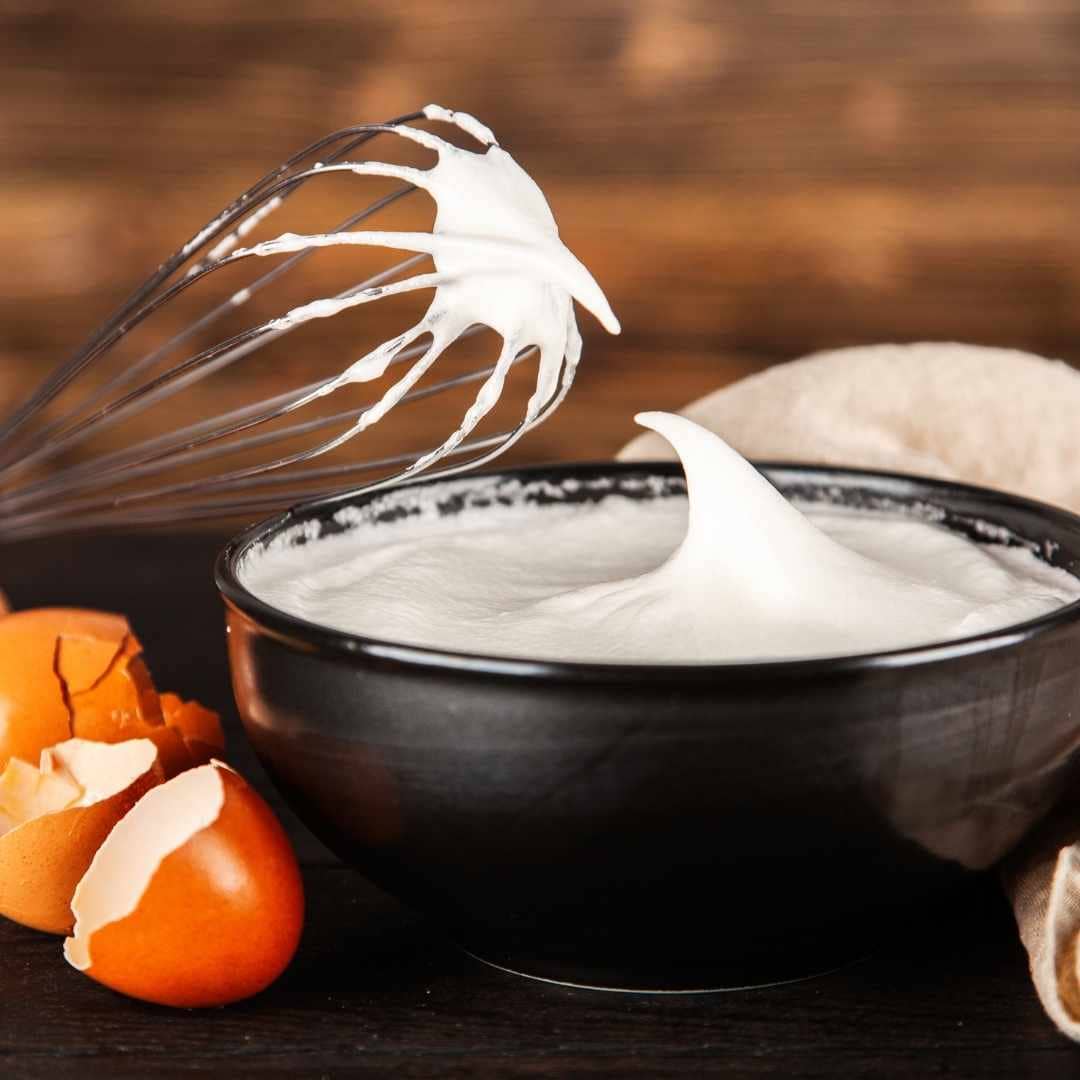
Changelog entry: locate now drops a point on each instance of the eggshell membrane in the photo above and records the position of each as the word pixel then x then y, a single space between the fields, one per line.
pixel 27 792
pixel 43 859
pixel 194 900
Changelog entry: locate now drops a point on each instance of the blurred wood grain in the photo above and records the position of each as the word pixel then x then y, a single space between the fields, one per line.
pixel 748 179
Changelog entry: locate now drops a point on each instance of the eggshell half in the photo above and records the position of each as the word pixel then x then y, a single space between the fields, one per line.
pixel 47 840
pixel 195 898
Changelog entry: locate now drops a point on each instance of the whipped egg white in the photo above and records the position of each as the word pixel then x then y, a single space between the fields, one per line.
pixel 733 571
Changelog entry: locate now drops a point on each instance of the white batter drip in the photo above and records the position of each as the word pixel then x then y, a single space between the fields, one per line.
pixel 733 572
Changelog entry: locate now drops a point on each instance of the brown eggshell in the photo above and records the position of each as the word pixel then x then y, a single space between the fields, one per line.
pixel 42 648
pixel 68 672
pixel 199 727
pixel 43 859
pixel 194 900
pixel 120 704
pixel 173 752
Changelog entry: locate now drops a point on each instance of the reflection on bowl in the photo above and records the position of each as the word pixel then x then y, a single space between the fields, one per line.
pixel 667 827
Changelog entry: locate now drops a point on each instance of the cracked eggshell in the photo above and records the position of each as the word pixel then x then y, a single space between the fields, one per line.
pixel 195 899
pixel 57 664
pixel 198 726
pixel 72 672
pixel 54 818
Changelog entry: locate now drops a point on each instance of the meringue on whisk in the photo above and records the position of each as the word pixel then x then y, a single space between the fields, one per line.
pixel 497 262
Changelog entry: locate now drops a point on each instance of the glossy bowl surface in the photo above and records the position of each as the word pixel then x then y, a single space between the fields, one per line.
pixel 667 827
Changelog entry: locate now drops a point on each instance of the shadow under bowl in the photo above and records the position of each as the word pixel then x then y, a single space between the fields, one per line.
pixel 664 827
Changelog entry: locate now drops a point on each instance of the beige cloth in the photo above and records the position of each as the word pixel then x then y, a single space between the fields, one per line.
pixel 998 417
pixel 1042 880
pixel 987 416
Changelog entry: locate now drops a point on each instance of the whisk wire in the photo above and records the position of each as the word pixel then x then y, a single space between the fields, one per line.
pixel 241 207
pixel 131 485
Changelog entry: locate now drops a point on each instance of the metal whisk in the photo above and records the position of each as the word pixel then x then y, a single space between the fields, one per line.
pixel 497 264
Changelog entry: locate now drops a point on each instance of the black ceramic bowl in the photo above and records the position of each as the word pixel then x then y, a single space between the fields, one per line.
pixel 666 827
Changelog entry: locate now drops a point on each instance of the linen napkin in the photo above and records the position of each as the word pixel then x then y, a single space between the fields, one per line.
pixel 996 417
pixel 1042 881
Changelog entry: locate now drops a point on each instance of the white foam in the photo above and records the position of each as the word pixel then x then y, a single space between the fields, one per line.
pixel 735 572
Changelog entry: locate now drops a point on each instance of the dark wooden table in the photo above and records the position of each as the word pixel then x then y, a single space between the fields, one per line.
pixel 374 990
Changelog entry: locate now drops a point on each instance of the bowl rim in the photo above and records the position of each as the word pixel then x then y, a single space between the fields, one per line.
pixel 307 636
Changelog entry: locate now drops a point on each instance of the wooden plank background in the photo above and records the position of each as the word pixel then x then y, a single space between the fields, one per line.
pixel 748 179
